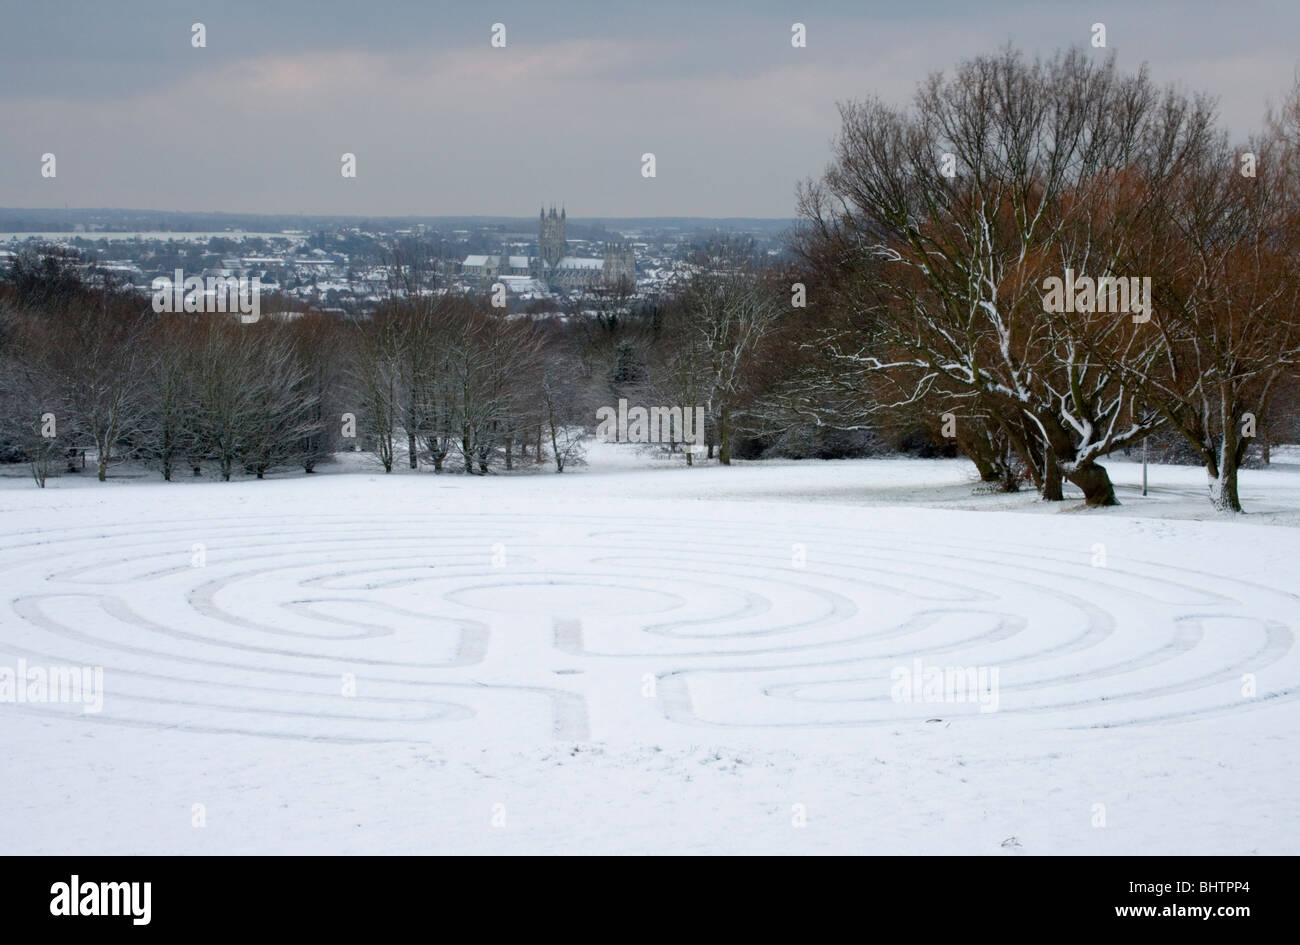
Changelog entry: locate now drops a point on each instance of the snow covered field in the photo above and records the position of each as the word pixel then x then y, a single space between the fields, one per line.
pixel 637 657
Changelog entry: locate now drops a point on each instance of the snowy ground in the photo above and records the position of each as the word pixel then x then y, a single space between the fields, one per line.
pixel 634 658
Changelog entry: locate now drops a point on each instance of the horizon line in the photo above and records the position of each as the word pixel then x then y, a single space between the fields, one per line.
pixel 375 216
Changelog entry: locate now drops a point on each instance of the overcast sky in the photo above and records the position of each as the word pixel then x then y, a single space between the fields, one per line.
pixel 442 123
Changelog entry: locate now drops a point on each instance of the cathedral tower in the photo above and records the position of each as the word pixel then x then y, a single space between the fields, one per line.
pixel 620 262
pixel 550 237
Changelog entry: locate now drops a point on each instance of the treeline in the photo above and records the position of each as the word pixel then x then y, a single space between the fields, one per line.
pixel 444 382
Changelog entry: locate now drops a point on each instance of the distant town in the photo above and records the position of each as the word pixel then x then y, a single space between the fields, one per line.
pixel 552 263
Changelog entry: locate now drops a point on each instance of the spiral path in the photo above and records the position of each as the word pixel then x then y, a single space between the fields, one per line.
pixel 456 626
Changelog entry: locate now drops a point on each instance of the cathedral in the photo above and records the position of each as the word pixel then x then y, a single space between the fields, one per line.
pixel 553 266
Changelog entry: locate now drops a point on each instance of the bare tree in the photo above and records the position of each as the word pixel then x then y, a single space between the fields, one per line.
pixel 563 413
pixel 167 431
pixel 731 309
pixel 377 382
pixel 284 414
pixel 950 216
pixel 1226 246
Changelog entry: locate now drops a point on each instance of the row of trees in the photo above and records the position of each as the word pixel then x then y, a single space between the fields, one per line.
pixel 111 379
pixel 442 382
pixel 97 370
pixel 456 381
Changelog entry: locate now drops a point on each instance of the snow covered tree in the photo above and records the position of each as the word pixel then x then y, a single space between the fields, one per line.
pixel 166 433
pixel 283 414
pixel 951 215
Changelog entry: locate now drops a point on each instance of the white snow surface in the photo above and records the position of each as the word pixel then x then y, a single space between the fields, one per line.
pixel 637 657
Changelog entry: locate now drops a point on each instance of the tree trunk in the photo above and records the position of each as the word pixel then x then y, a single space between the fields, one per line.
pixel 985 469
pixel 1052 486
pixel 724 437
pixel 1223 492
pixel 410 446
pixel 555 445
pixel 1223 479
pixel 1033 460
pixel 1096 485
pixel 40 466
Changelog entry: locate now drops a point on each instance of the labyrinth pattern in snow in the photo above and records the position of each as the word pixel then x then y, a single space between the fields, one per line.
pixel 465 627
